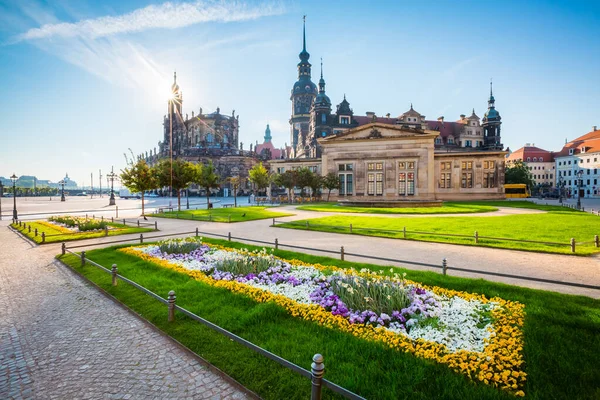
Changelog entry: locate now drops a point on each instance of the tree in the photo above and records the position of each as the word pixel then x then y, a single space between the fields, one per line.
pixel 207 178
pixel 316 183
pixel 259 176
pixel 287 180
pixel 139 177
pixel 518 172
pixel 234 181
pixel 304 178
pixel 184 173
pixel 331 182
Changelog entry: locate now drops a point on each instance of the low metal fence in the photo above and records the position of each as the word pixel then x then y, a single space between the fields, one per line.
pixel 44 236
pixel 476 236
pixel 317 369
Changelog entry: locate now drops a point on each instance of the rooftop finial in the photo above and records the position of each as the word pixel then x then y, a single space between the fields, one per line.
pixel 174 76
pixel 411 105
pixel 304 33
pixel 321 67
pixel 491 87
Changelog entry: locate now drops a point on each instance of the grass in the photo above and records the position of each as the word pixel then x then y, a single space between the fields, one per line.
pixel 558 225
pixel 447 208
pixel 238 214
pixel 561 336
pixel 56 235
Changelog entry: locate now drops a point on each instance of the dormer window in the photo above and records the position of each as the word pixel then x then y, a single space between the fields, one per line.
pixel 571 151
pixel 345 120
pixel 450 140
pixel 438 140
pixel 583 149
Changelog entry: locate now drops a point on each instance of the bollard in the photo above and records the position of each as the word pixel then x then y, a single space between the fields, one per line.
pixel 138 222
pixel 141 238
pixel 196 232
pixel 155 225
pixel 444 266
pixel 63 248
pixel 171 301
pixel 124 221
pixel 306 224
pixel 596 242
pixel 112 219
pixel 106 230
pixel 229 236
pixel 102 218
pixel 82 258
pixel 113 271
pixel 404 232
pixel 43 237
pixel 342 253
pixel 29 227
pixel 273 222
pixel 35 232
pixel 276 244
pixel 350 228
pixel 317 369
pixel 116 211
pixel 86 217
pixel 476 237
pixel 572 245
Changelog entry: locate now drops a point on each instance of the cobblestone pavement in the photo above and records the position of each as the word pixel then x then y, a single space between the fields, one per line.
pixel 62 339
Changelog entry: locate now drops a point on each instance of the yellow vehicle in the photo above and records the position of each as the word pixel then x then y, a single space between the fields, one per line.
pixel 516 190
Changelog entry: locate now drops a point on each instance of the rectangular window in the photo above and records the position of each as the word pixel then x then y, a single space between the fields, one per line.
pixel 467 165
pixel 406 178
pixel 467 180
pixel 402 183
pixel 346 178
pixel 489 180
pixel 445 180
pixel 375 179
pixel 446 166
pixel 345 120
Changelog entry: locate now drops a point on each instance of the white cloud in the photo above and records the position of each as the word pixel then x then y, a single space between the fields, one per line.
pixel 166 16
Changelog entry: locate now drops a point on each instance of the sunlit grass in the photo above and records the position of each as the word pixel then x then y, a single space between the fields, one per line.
pixel 237 214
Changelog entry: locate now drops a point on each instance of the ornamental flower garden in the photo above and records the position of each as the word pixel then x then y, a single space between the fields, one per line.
pixel 469 333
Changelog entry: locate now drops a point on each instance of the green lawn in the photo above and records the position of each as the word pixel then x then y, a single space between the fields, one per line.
pixel 558 225
pixel 55 235
pixel 238 214
pixel 447 208
pixel 561 336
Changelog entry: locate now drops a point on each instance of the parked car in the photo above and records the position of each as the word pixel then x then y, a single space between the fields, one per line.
pixel 81 194
pixel 126 194
pixel 151 195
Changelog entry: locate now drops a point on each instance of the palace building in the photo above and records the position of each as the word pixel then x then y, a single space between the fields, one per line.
pixel 389 158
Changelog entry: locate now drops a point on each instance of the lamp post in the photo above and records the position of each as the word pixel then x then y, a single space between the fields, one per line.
pixel 62 189
pixel 560 189
pixel 14 178
pixel 579 174
pixel 112 177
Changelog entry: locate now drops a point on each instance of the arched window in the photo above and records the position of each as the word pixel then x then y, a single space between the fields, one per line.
pixel 541 159
pixel 534 159
pixel 528 159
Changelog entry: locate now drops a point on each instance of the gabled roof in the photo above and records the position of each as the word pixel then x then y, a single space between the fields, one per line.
pixel 376 131
pixel 590 141
pixel 531 152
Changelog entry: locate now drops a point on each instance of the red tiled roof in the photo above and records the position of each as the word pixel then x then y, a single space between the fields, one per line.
pixel 530 152
pixel 275 153
pixel 591 141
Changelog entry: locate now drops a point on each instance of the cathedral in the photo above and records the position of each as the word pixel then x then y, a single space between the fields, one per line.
pixel 385 158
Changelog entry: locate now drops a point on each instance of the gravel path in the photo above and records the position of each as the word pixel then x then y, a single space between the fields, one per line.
pixel 60 338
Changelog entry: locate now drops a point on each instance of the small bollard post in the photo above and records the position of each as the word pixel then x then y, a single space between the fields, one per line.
pixel 596 242
pixel 342 253
pixel 317 369
pixel 102 218
pixel 273 222
pixel 116 211
pixel 229 236
pixel 113 272
pixel 86 217
pixel 229 218
pixel 196 232
pixel 350 228
pixel 171 301
pixel 106 230
pixel 112 219
pixel 476 237
pixel 141 238
pixel 572 245
pixel 444 265
pixel 63 248
pixel 404 232
pixel 155 225
pixel 276 244
pixel 43 237
pixel 82 258
pixel 29 227
pixel 124 221
pixel 306 224
pixel 35 232
pixel 138 222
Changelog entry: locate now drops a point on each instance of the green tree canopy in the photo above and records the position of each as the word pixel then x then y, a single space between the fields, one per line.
pixel 287 180
pixel 183 173
pixel 207 178
pixel 518 172
pixel 330 182
pixel 139 177
pixel 304 178
pixel 259 176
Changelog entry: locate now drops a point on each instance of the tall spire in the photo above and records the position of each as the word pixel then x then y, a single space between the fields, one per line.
pixel 304 33
pixel 321 67
pixel 491 87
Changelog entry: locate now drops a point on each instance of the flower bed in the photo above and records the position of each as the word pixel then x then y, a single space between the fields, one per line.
pixel 76 224
pixel 471 334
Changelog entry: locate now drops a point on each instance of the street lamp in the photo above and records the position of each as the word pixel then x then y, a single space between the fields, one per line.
pixel 62 190
pixel 14 178
pixel 579 174
pixel 560 188
pixel 112 176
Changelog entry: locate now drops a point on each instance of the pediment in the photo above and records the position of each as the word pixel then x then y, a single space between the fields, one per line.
pixel 377 131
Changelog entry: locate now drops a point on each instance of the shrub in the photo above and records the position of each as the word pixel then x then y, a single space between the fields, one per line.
pixel 180 246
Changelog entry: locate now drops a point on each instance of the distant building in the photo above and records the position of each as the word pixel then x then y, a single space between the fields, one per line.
pixel 267 150
pixel 580 154
pixel 539 161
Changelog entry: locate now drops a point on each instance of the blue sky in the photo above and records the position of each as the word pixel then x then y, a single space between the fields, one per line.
pixel 83 81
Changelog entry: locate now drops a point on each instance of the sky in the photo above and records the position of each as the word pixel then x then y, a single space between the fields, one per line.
pixel 82 81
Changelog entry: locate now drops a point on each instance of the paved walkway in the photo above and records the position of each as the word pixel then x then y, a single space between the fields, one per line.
pixel 60 338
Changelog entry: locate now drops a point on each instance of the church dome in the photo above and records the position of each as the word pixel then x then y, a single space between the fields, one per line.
pixel 304 86
pixel 323 99
pixel 491 114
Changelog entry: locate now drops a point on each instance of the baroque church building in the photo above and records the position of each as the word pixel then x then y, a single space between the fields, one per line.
pixel 393 158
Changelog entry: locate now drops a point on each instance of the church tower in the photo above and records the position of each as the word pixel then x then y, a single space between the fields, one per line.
pixel 491 125
pixel 320 117
pixel 302 97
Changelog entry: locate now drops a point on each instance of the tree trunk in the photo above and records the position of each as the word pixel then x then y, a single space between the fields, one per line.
pixel 208 198
pixel 178 200
pixel 328 194
pixel 235 196
pixel 142 203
